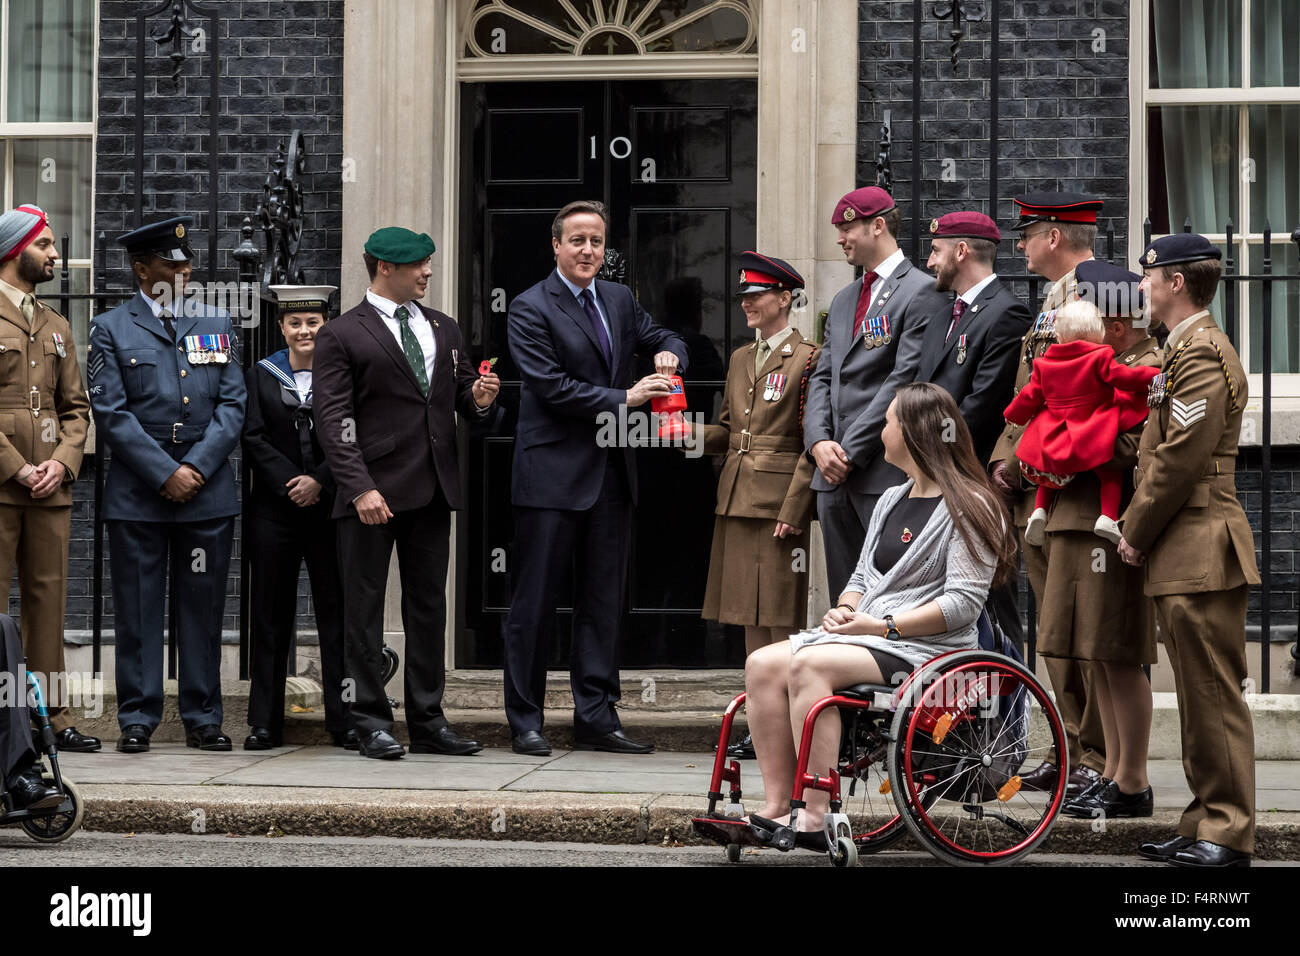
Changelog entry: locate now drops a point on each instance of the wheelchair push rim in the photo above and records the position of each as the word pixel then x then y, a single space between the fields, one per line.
pixel 950 774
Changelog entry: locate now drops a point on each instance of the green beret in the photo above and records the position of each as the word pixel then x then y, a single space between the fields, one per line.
pixel 398 246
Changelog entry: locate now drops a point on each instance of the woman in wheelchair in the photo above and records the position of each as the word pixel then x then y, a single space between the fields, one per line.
pixel 934 546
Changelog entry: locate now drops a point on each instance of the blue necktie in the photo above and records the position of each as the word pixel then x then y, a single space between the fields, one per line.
pixel 597 326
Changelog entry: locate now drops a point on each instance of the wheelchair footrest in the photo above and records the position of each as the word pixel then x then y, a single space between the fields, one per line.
pixel 727 831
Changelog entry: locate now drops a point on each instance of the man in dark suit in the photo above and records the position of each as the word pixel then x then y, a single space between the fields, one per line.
pixel 572 338
pixel 388 377
pixel 874 331
pixel 975 353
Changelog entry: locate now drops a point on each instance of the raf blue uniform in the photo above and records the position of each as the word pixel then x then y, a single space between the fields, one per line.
pixel 158 405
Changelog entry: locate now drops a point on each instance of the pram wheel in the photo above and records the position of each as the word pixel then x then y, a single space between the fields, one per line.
pixel 845 852
pixel 733 852
pixel 963 729
pixel 60 825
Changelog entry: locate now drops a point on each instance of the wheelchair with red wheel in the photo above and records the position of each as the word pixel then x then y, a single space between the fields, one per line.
pixel 938 756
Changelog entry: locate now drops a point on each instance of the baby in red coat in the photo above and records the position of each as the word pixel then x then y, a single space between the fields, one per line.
pixel 1076 404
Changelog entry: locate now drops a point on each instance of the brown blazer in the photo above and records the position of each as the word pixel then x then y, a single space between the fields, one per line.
pixel 377 430
pixel 41 397
pixel 1185 514
pixel 765 473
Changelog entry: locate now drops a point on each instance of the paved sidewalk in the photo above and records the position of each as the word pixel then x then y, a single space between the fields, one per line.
pixel 571 795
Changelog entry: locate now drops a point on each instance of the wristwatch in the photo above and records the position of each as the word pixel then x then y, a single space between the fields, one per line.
pixel 891 629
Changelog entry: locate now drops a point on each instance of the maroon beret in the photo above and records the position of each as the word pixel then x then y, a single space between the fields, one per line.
pixel 865 203
pixel 965 225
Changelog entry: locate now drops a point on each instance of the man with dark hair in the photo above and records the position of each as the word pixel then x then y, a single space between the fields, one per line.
pixel 40 453
pixel 388 377
pixel 974 354
pixel 168 398
pixel 1056 234
pixel 874 334
pixel 573 337
pixel 1186 526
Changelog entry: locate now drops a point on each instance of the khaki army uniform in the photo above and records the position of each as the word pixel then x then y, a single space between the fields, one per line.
pixel 765 478
pixel 44 414
pixel 1070 680
pixel 1094 608
pixel 1200 562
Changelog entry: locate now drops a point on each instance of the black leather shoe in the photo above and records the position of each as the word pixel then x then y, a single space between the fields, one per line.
pixel 347 740
pixel 614 742
pixel 77 743
pixel 1164 852
pixel 1083 804
pixel 445 741
pixel 207 737
pixel 134 739
pixel 259 738
pixel 29 792
pixel 531 743
pixel 1203 853
pixel 742 749
pixel 1041 778
pixel 1080 779
pixel 380 744
pixel 1108 801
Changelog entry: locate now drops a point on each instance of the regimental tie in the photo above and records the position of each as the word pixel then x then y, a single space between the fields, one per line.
pixel 958 310
pixel 764 350
pixel 864 303
pixel 168 324
pixel 29 307
pixel 411 348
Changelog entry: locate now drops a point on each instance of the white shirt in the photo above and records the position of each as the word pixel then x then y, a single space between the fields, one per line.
pixel 417 322
pixel 883 272
pixel 303 378
pixel 969 295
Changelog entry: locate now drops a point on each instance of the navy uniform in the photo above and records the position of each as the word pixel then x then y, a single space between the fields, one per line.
pixel 1200 563
pixel 166 390
pixel 1070 679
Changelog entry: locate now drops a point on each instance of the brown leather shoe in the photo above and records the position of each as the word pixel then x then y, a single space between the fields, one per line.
pixel 1041 778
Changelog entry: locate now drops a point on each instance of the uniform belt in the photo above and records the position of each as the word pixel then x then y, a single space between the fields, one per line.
pixel 747 441
pixel 177 433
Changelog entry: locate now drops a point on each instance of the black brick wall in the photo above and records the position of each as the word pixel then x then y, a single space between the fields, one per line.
pixel 281 69
pixel 1063 109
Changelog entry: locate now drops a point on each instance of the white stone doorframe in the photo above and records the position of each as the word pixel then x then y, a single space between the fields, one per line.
pixel 401 76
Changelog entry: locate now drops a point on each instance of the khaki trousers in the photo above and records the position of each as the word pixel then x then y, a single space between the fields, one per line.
pixel 34 539
pixel 1071 683
pixel 1205 637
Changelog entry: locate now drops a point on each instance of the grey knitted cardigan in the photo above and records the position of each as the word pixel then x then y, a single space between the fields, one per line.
pixel 937 567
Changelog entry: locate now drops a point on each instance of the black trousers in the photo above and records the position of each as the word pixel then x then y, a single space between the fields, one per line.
pixel 16 753
pixel 593 543
pixel 277 550
pixel 421 538
pixel 139 549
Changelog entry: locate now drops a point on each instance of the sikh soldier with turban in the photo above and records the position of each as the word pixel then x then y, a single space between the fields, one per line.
pixel 44 417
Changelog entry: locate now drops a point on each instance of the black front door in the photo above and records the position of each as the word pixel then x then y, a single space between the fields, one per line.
pixel 675 163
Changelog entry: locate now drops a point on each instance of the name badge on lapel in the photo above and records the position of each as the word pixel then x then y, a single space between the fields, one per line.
pixel 774 387
pixel 59 346
pixel 961 349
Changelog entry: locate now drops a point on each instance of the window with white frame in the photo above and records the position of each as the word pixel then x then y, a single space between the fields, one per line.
pixel 47 128
pixel 1216 120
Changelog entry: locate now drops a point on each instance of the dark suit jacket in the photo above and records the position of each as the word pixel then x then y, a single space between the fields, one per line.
pixel 983 383
pixel 567 386
pixel 376 429
pixel 274 452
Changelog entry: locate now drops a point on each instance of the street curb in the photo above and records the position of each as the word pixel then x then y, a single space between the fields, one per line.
pixel 241 811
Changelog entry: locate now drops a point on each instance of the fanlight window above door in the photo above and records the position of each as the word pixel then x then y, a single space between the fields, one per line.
pixel 609 27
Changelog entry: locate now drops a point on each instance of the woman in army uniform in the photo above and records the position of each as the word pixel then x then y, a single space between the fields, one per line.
pixel 765 502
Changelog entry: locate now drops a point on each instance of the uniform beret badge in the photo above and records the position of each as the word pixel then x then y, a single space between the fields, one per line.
pixel 849 214
pixel 934 225
pixel 1150 257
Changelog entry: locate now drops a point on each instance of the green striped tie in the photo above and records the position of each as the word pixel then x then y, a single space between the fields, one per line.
pixel 411 348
